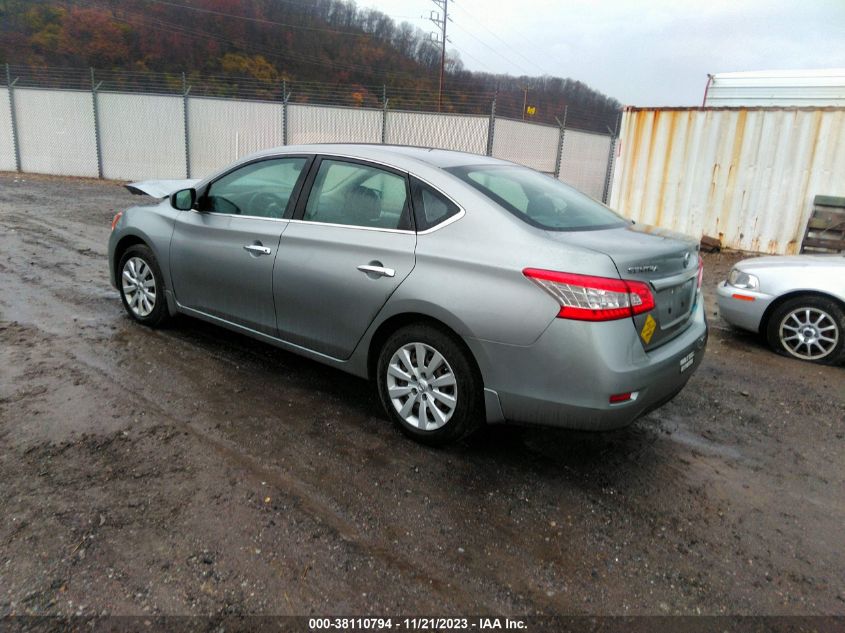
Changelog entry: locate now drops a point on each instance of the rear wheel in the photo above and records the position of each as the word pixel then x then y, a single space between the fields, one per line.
pixel 142 286
pixel 810 328
pixel 429 385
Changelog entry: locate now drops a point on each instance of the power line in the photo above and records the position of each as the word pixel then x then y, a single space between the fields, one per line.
pixel 259 20
pixel 320 61
pixel 301 57
pixel 475 59
pixel 493 33
pixel 483 43
pixel 441 24
pixel 170 27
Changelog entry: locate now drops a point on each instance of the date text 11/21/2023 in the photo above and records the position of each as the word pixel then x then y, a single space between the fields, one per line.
pixel 415 624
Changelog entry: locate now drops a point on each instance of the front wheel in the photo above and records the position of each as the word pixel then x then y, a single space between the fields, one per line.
pixel 429 385
pixel 142 286
pixel 810 328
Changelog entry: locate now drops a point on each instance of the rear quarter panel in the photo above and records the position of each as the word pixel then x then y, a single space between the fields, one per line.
pixel 469 274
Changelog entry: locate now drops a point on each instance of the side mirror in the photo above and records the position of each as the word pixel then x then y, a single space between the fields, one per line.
pixel 183 199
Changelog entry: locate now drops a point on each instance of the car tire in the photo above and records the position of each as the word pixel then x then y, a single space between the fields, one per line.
pixel 445 387
pixel 141 286
pixel 809 328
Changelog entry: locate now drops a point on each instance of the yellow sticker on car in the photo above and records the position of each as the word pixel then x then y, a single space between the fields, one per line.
pixel 649 327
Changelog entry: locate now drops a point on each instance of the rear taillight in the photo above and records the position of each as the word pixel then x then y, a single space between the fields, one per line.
pixel 116 219
pixel 588 298
pixel 700 271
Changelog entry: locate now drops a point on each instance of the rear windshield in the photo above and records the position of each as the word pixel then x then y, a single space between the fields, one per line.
pixel 537 199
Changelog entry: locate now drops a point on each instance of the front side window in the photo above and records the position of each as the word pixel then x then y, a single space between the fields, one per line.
pixel 261 189
pixel 358 195
pixel 538 199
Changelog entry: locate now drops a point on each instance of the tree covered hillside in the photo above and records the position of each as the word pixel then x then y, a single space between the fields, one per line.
pixel 326 51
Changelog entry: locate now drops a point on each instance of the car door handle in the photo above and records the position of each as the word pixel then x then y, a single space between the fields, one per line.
pixel 257 249
pixel 380 271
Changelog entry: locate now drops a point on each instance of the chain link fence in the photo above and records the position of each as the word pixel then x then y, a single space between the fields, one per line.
pixel 135 126
pixel 55 132
pixel 586 162
pixel 222 130
pixel 331 124
pixel 141 135
pixel 466 133
pixel 529 144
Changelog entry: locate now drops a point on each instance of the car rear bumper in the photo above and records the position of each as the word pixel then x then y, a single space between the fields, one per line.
pixel 567 376
pixel 742 308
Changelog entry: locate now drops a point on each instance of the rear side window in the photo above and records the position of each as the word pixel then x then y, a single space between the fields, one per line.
pixel 358 195
pixel 430 206
pixel 538 199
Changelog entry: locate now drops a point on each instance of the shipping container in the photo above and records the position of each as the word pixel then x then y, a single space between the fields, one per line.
pixel 746 176
pixel 801 88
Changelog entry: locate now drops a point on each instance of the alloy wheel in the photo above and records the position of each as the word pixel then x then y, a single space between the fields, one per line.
pixel 809 333
pixel 422 386
pixel 139 286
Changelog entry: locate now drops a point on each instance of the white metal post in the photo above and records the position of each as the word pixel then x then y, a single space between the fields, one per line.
pixel 97 142
pixel 185 90
pixel 13 114
pixel 491 127
pixel 561 135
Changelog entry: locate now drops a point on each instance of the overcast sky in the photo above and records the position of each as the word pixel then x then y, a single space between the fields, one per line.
pixel 642 52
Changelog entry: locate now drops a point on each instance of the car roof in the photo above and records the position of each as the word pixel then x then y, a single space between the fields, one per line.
pixel 400 156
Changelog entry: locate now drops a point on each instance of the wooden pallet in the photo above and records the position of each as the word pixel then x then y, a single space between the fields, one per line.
pixel 826 228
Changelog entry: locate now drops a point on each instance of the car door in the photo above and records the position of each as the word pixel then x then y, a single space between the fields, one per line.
pixel 222 252
pixel 350 244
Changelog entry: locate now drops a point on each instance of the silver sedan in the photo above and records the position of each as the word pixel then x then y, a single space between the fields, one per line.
pixel 796 302
pixel 470 290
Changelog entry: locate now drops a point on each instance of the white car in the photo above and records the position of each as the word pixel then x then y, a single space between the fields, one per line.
pixel 796 302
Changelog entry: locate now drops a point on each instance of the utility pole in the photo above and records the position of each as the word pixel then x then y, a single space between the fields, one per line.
pixel 440 23
pixel 524 100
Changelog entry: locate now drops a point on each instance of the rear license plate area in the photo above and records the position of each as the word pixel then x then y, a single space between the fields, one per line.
pixel 676 303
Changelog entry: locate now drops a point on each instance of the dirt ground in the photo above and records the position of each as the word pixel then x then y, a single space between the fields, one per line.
pixel 189 470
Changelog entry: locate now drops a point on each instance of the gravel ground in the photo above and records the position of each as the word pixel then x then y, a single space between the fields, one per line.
pixel 189 470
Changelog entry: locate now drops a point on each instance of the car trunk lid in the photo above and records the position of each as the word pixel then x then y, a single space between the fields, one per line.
pixel 665 260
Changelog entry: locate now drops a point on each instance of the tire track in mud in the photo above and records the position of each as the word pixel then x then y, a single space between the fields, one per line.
pixel 311 498
pixel 296 489
pixel 304 497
